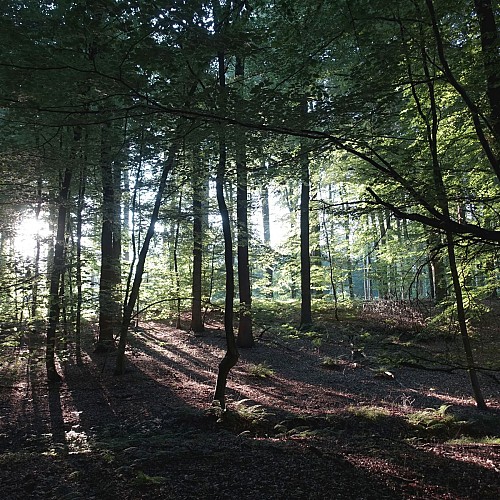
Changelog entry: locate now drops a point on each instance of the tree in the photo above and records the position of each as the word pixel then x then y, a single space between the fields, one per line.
pixel 133 294
pixel 109 286
pixel 245 336
pixel 58 267
pixel 197 182
pixel 305 258
pixel 231 356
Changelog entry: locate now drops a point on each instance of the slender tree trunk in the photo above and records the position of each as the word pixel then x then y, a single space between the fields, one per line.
pixel 330 262
pixel 34 290
pixel 315 243
pixel 231 356
pixel 126 215
pixel 305 258
pixel 132 298
pixel 245 335
pixel 476 389
pixel 176 263
pixel 57 267
pixel 264 196
pixel 79 283
pixel 55 278
pixel 350 282
pixel 197 325
pixel 367 278
pixel 442 201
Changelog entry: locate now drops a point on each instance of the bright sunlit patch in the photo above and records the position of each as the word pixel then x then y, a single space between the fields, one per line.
pixel 27 232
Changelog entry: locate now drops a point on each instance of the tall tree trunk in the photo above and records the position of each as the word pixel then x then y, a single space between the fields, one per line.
pixel 462 321
pixel 197 179
pixel 347 231
pixel 109 305
pixel 57 269
pixel 264 196
pixel 491 59
pixel 79 283
pixel 305 258
pixel 432 125
pixel 34 290
pixel 330 262
pixel 231 356
pixel 126 215
pixel 176 263
pixel 55 276
pixel 245 335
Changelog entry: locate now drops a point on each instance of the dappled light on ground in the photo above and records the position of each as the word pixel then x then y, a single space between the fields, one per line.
pixel 151 433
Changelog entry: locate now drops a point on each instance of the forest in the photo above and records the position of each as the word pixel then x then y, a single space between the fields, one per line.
pixel 249 248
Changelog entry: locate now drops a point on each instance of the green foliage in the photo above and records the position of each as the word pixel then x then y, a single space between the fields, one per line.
pixel 369 413
pixel 332 363
pixel 243 416
pixel 143 479
pixel 260 370
pixel 438 422
pixel 468 440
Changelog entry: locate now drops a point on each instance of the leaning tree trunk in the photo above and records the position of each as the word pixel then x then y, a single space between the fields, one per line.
pixel 432 125
pixel 476 389
pixel 131 301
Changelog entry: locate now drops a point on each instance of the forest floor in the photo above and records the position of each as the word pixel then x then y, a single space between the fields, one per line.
pixel 371 406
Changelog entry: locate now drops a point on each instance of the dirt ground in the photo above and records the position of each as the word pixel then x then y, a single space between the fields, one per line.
pixel 307 419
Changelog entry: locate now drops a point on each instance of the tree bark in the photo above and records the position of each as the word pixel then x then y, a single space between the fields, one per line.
pixel 129 305
pixel 176 263
pixel 245 335
pixel 305 258
pixel 491 59
pixel 231 356
pixel 79 288
pixel 109 303
pixel 34 290
pixel 197 177
pixel 57 270
pixel 264 196
pixel 476 389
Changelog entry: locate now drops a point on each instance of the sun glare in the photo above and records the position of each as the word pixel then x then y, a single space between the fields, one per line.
pixel 28 230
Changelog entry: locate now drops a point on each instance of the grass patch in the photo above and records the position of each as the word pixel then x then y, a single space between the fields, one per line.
pixel 371 413
pixel 143 479
pixel 437 422
pixel 465 440
pixel 260 370
pixel 330 363
pixel 243 417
